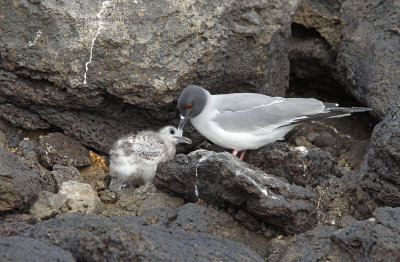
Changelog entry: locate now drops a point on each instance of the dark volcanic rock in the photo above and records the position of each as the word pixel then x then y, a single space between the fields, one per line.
pixel 128 238
pixel 343 196
pixel 375 239
pixel 381 166
pixel 19 185
pixel 22 117
pixel 368 56
pixel 47 180
pixel 58 149
pixel 299 165
pixel 224 180
pixel 64 174
pixel 322 16
pixel 144 60
pixel 195 218
pixel 13 228
pixel 20 249
pixel 13 135
pixel 13 224
pixel 311 246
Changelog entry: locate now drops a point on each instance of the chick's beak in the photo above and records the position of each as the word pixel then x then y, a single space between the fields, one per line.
pixel 182 139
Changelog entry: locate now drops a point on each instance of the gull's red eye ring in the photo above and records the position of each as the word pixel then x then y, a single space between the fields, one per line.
pixel 188 106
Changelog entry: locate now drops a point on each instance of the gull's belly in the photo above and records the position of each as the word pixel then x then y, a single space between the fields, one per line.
pixel 239 140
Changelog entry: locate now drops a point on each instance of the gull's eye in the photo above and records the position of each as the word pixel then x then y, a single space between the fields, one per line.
pixel 172 132
pixel 188 106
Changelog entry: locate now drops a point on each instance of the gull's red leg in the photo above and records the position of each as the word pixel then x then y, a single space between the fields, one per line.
pixel 242 154
pixel 234 152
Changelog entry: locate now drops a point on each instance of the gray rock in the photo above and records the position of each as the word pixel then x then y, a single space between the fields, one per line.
pixel 19 185
pixel 128 238
pixel 225 46
pixel 130 200
pixel 222 179
pixel 323 16
pixel 375 239
pixel 81 197
pixel 3 140
pixel 73 196
pixel 367 57
pixel 298 165
pixel 58 149
pixel 343 196
pixel 28 149
pixel 19 249
pixel 65 173
pixel 160 200
pixel 310 246
pixel 381 166
pixel 195 218
pixel 13 228
pixel 13 224
pixel 47 180
pixel 13 135
pixel 22 117
pixel 49 205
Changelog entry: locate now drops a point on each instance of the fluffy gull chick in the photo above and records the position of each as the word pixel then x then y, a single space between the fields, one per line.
pixel 134 158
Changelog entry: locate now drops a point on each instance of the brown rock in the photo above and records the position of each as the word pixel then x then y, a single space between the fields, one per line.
pixel 56 148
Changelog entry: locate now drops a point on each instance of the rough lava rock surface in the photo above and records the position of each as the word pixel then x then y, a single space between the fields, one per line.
pixel 224 180
pixel 368 57
pixel 59 149
pixel 142 54
pixel 128 238
pixel 375 239
pixel 299 165
pixel 19 185
pixel 196 218
pixel 19 249
pixel 381 167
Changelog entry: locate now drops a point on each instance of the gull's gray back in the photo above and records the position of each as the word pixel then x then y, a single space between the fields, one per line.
pixel 248 111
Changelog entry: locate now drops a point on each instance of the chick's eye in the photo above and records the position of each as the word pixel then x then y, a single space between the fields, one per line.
pixel 172 131
pixel 188 106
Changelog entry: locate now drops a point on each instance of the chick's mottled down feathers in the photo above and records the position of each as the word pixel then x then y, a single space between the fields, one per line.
pixel 135 157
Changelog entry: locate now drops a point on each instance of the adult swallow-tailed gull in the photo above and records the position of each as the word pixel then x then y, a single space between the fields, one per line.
pixel 242 121
pixel 135 157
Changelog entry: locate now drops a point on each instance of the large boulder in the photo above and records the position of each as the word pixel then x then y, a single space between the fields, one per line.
pixel 368 55
pixel 374 239
pixel 381 166
pixel 129 238
pixel 19 185
pixel 222 179
pixel 72 65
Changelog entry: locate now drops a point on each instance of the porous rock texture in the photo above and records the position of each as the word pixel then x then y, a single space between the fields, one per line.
pixel 375 239
pixel 19 185
pixel 72 64
pixel 28 249
pixel 222 179
pixel 129 238
pixel 381 167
